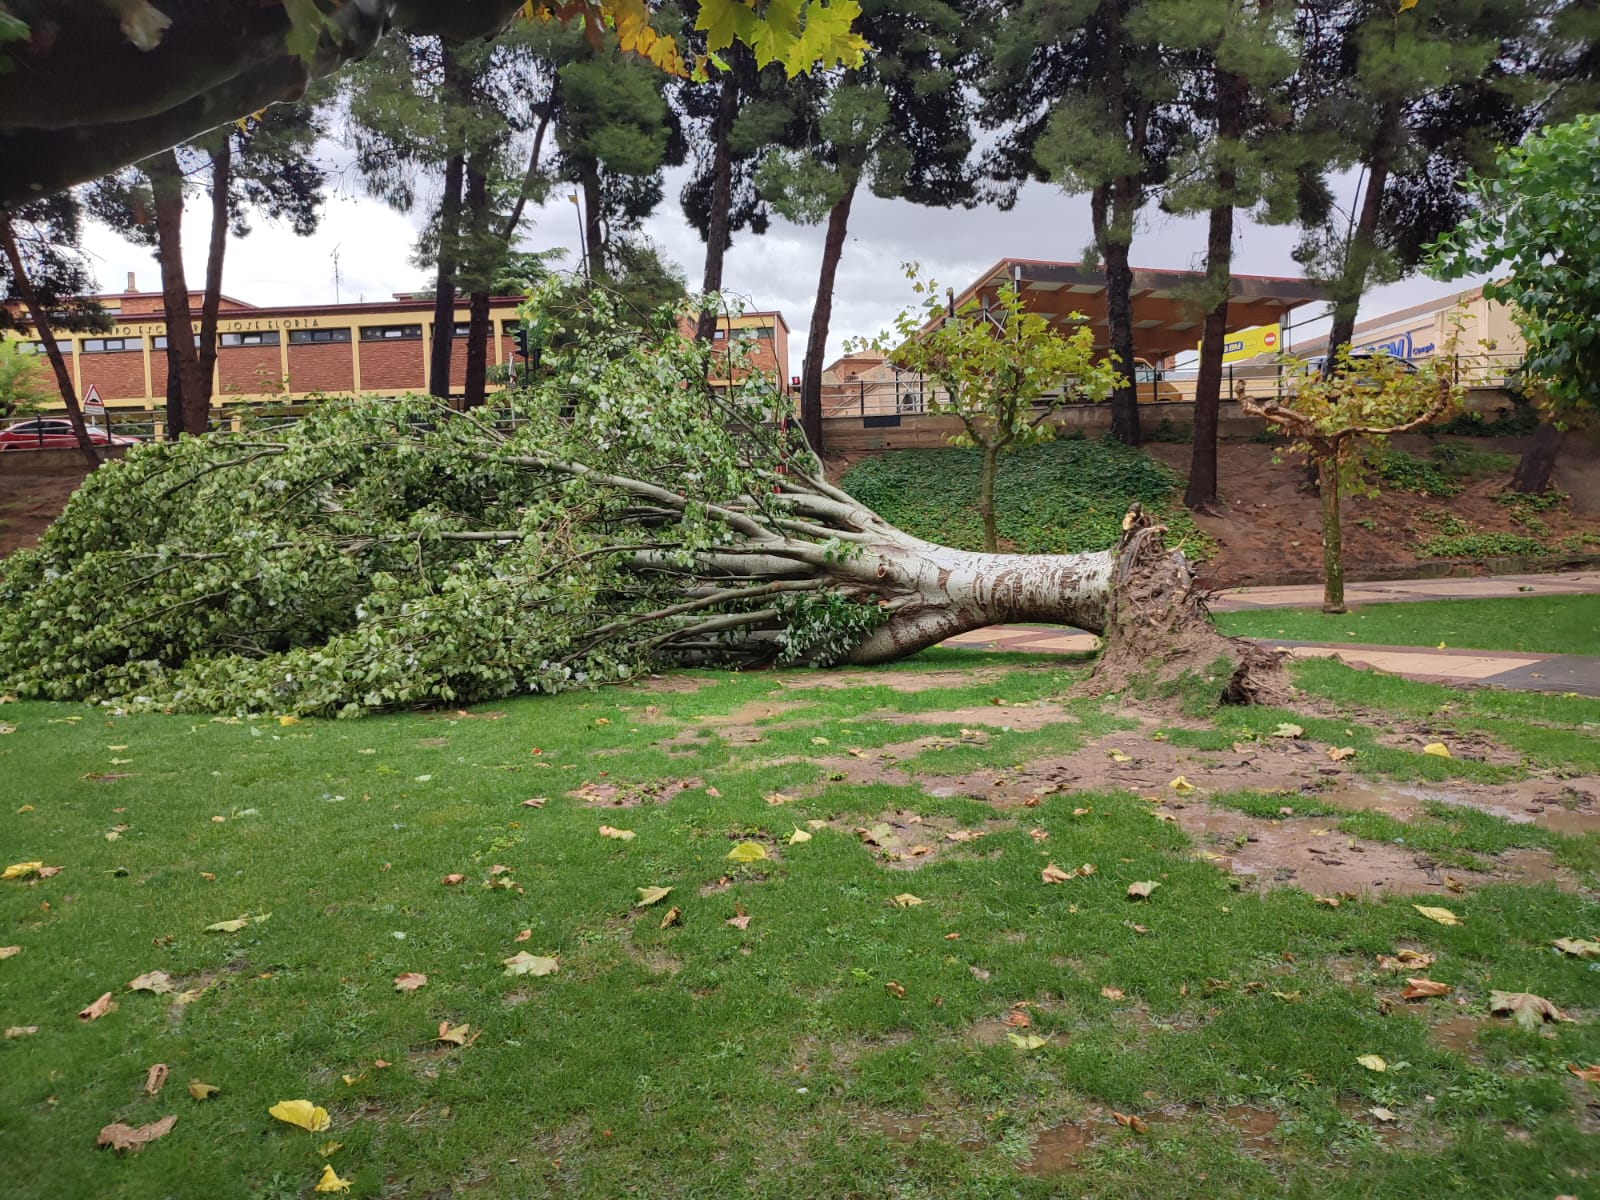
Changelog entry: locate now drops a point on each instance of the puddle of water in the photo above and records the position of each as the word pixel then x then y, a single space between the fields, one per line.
pixel 1458 1034
pixel 1057 1150
pixel 1560 807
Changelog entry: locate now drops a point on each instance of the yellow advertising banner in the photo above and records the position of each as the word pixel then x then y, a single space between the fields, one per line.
pixel 1240 345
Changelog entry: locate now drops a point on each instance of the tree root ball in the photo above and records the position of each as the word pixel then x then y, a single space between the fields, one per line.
pixel 1159 639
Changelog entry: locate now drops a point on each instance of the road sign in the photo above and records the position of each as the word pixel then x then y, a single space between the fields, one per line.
pixel 93 406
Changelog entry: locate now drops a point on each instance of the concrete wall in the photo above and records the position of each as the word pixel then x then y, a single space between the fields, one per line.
pixel 846 434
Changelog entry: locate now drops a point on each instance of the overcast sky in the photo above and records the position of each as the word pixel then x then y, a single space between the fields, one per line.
pixel 777 271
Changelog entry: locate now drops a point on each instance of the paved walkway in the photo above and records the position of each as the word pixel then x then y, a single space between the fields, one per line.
pixel 1523 671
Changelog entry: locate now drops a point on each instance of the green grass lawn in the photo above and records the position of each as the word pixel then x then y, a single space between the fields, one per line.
pixel 835 1043
pixel 1541 624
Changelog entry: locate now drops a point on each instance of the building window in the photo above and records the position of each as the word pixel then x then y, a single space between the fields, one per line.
pixel 459 330
pixel 109 345
pixel 307 337
pixel 719 335
pixel 159 342
pixel 390 333
pixel 38 348
pixel 266 337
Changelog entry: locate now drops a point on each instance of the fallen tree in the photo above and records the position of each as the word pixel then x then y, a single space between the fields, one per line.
pixel 617 519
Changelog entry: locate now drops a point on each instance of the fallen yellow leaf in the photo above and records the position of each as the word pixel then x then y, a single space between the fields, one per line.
pixel 21 870
pixel 621 835
pixel 409 981
pixel 302 1113
pixel 1442 915
pixel 330 1181
pixel 1423 989
pixel 652 895
pixel 748 852
pixel 1437 749
pixel 1372 1062
pixel 523 963
pixel 202 1091
pixel 798 836
pixel 1181 785
pixel 906 900
pixel 1054 874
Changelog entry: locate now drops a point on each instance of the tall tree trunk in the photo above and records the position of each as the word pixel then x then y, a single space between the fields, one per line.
pixel 821 317
pixel 221 182
pixel 530 181
pixel 717 237
pixel 1539 459
pixel 986 477
pixel 166 186
pixel 444 286
pixel 1332 536
pixel 1201 494
pixel 474 387
pixel 41 324
pixel 1359 254
pixel 1113 248
pixel 593 223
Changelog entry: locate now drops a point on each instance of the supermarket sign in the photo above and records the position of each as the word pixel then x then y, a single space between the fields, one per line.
pixel 1243 344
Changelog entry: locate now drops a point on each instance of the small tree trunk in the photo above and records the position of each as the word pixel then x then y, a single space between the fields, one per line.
pixel 717 235
pixel 593 222
pixel 474 387
pixel 1358 258
pixel 1538 460
pixel 821 316
pixel 444 288
pixel 991 468
pixel 211 302
pixel 1106 209
pixel 41 324
pixel 166 186
pixel 1332 537
pixel 1201 494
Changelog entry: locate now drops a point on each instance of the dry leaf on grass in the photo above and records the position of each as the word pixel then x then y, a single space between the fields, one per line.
pixel 523 963
pixel 798 837
pixel 1383 1114
pixel 330 1181
pixel 98 1008
pixel 1111 993
pixel 894 989
pixel 158 982
pixel 748 852
pixel 1423 989
pixel 652 895
pixel 534 802
pixel 742 921
pixel 1287 730
pixel 21 870
pixel 1054 874
pixel 155 1078
pixel 1405 960
pixel 128 1137
pixel 1437 749
pixel 523 935
pixel 1340 753
pixel 963 835
pixel 1442 915
pixel 16 1031
pixel 1130 1122
pixel 8 951
pixel 906 900
pixel 673 916
pixel 409 981
pixel 1181 785
pixel 621 835
pixel 201 1090
pixel 1589 1074
pixel 453 880
pixel 1027 1041
pixel 1576 947
pixel 455 1035
pixel 311 1117
pixel 1372 1062
pixel 1528 1010
pixel 1141 889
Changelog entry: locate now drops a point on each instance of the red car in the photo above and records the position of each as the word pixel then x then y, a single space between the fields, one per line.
pixel 55 433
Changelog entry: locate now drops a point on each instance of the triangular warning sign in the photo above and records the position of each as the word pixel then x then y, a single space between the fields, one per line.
pixel 93 406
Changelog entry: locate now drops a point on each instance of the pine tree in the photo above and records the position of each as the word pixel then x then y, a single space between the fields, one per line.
pixel 902 124
pixel 1084 96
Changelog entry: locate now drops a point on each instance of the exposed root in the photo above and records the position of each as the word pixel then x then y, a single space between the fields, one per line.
pixel 1159 637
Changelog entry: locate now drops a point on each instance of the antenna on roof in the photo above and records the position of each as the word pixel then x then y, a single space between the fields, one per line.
pixel 336 273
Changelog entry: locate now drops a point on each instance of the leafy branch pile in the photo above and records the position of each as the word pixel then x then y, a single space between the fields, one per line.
pixel 621 519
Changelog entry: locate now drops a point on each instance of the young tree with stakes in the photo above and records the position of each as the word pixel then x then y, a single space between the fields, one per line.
pixel 997 367
pixel 1339 417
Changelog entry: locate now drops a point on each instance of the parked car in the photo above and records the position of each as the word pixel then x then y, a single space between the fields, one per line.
pixel 56 433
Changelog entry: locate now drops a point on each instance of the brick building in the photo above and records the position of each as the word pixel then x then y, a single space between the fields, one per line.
pixel 295 351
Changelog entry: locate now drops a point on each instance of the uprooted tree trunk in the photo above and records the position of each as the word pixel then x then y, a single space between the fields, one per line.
pixel 390 554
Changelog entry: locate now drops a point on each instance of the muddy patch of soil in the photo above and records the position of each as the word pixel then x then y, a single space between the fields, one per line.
pixel 674 683
pixel 1458 1035
pixel 1306 852
pixel 904 840
pixel 1561 806
pixel 657 961
pixel 632 795
pixel 904 1130
pixel 1018 718
pixel 1058 1150
pixel 1477 747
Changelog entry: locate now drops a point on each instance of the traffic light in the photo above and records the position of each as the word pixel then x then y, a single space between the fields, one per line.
pixel 521 336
